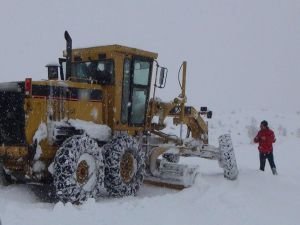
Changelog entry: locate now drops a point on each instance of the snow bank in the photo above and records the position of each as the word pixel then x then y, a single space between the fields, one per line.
pixel 243 125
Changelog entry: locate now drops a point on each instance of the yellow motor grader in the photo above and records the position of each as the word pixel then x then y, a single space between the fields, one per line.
pixel 93 128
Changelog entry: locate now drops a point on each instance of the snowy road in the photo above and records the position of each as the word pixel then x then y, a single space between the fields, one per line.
pixel 255 198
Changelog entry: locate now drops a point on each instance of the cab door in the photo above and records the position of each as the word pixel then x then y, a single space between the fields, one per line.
pixel 135 93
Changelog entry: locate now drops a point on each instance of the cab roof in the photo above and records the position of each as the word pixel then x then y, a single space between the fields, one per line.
pixel 107 49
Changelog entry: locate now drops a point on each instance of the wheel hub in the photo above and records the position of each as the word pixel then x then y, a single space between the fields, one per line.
pixel 127 167
pixel 82 172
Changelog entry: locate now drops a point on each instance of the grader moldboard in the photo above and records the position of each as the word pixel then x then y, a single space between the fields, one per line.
pixel 91 129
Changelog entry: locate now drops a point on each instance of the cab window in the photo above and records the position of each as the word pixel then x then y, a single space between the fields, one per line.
pixel 141 72
pixel 101 71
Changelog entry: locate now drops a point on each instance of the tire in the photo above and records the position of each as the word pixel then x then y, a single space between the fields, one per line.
pixel 227 157
pixel 124 166
pixel 78 170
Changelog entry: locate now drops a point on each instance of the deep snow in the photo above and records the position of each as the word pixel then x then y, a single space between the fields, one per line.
pixel 254 198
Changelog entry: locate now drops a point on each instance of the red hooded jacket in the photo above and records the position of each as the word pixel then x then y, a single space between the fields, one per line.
pixel 265 139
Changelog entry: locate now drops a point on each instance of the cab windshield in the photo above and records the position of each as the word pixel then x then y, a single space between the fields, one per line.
pixel 101 71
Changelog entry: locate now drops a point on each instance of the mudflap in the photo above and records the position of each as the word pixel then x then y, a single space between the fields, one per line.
pixel 173 175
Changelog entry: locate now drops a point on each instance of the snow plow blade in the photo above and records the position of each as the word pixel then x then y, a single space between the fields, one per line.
pixel 173 175
pixel 164 170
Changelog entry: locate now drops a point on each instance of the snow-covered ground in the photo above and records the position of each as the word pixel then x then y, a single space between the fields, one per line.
pixel 254 198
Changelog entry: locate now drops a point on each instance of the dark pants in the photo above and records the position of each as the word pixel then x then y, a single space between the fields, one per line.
pixel 262 159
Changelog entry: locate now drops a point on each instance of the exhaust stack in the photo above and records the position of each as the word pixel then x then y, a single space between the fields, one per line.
pixel 69 55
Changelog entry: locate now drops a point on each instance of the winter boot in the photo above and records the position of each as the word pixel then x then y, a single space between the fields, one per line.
pixel 274 171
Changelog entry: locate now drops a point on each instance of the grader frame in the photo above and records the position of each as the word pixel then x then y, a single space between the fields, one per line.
pixel 92 130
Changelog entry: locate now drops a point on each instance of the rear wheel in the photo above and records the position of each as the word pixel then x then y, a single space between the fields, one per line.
pixel 124 166
pixel 227 157
pixel 78 170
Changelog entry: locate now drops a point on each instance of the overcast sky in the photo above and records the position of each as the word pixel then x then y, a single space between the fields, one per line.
pixel 240 54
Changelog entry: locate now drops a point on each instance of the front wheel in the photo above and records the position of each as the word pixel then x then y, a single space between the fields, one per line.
pixel 124 166
pixel 78 170
pixel 227 157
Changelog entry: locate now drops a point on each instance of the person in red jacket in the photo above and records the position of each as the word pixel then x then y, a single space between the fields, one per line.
pixel 265 139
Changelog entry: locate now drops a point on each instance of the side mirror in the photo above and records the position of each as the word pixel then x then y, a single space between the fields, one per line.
pixel 209 114
pixel 162 77
pixel 52 72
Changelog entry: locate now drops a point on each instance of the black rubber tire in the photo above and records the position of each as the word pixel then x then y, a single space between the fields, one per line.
pixel 227 160
pixel 114 152
pixel 75 150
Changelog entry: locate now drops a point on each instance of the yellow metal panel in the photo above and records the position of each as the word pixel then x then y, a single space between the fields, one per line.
pixel 36 112
pixel 85 110
pixel 68 83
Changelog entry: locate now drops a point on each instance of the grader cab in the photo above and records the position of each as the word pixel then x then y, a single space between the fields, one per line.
pixel 93 128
